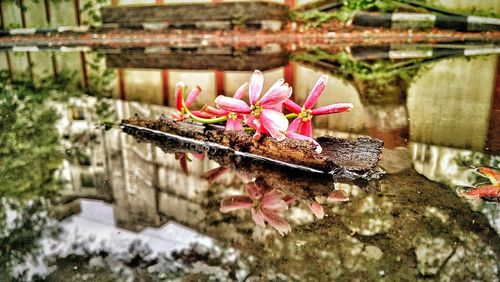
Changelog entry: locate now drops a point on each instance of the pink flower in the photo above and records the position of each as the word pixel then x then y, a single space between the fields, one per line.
pixel 303 123
pixel 264 204
pixel 233 116
pixel 179 92
pixel 264 113
pixel 489 191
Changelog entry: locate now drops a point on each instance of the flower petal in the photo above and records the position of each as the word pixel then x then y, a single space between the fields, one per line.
pixel 257 136
pixel 332 109
pixel 250 121
pixel 240 92
pixel 258 218
pixel 179 90
pixel 298 136
pixel 256 83
pixel 199 156
pixel 273 201
pixel 276 95
pixel 294 126
pixel 235 202
pixel 234 124
pixel 195 92
pixel 276 221
pixel 274 122
pixel 213 174
pixel 202 114
pixel 232 105
pixel 292 106
pixel 316 92
pixel 253 190
pixel 316 209
pixel 305 128
pixel 490 191
pixel 214 111
pixel 182 157
pixel 491 174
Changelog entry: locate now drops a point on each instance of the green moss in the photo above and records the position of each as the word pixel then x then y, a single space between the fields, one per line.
pixel 30 150
pixel 378 71
pixel 315 17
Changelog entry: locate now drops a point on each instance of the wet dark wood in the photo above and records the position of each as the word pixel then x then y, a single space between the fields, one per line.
pixel 223 59
pixel 234 12
pixel 341 157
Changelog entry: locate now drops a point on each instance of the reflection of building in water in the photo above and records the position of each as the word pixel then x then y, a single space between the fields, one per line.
pixel 145 185
pixel 449 103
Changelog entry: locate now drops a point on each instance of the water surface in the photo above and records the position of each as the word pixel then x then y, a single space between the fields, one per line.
pixel 90 202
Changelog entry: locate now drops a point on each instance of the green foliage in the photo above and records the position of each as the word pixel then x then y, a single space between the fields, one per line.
pixel 349 7
pixel 315 17
pixel 29 142
pixel 91 9
pixel 379 71
pixel 20 231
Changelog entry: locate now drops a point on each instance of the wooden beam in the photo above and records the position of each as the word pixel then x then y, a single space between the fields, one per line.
pixel 339 156
pixel 239 12
pixel 165 84
pixel 121 84
pixel 219 82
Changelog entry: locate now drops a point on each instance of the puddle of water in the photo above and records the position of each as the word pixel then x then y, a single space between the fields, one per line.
pixel 88 203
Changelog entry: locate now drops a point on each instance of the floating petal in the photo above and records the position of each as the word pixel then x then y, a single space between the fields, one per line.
pixel 493 175
pixel 489 191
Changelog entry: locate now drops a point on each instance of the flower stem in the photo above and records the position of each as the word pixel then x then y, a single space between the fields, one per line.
pixel 202 120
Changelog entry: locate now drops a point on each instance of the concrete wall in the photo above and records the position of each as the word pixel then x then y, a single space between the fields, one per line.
pixel 449 103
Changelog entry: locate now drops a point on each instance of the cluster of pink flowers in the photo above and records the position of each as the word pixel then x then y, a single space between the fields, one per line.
pixel 264 113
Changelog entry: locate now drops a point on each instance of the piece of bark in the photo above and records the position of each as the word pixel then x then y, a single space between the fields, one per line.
pixel 339 156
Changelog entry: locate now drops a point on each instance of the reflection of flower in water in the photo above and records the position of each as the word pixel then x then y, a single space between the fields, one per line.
pixel 490 191
pixel 266 205
pixel 183 158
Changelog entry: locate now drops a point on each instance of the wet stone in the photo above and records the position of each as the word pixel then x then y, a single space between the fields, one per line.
pixel 431 254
